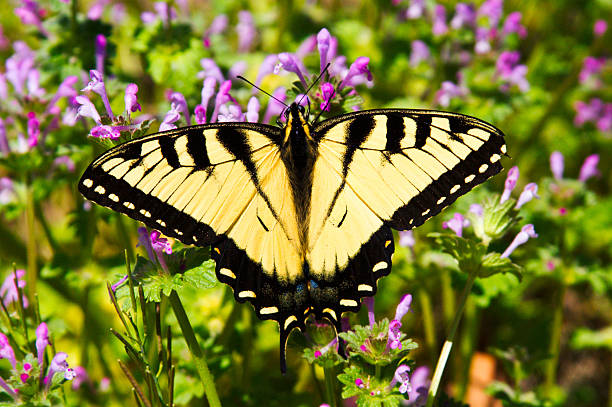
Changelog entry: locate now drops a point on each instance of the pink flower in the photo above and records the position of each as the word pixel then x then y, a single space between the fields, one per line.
pixel 465 15
pixel 589 168
pixel 6 351
pixel 510 183
pixel 131 99
pixel 9 292
pixel 290 63
pixel 522 237
pixel 245 30
pixel 323 41
pixel 357 73
pixel 42 340
pixel 448 91
pixel 456 224
pixel 600 27
pixel 420 52
pixel 513 25
pixel 556 164
pixel 406 238
pixel 402 376
pixel 252 113
pixel 439 23
pixel 369 303
pixel 529 192
pixel 327 93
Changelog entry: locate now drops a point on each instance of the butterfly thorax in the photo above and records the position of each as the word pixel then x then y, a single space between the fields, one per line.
pixel 298 154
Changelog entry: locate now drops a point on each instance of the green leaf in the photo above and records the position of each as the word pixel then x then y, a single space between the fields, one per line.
pixel 493 263
pixel 584 338
pixel 201 277
pixel 467 252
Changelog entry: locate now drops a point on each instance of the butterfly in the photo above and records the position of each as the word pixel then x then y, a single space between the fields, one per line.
pixel 298 217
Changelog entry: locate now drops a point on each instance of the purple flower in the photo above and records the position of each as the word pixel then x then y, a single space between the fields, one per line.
pixel 4 146
pixel 9 292
pixel 275 108
pixel 604 123
pixel 58 364
pixel 33 130
pixel 456 224
pixel 590 67
pixel 417 395
pixel 252 113
pixel 510 183
pixel 526 232
pixel 222 98
pixel 96 9
pixel 588 112
pixel 42 340
pixel 465 16
pixel 266 68
pixel 493 10
pixel 509 70
pixel 105 131
pixel 230 113
pixel 415 9
pixel 200 114
pixel 160 246
pixel 476 209
pixel 402 376
pixel 237 69
pixel 403 307
pixel 80 377
pixel 69 374
pixel 600 27
pixel 210 70
pixel 162 11
pixel 394 334
pixel 97 86
pixel 557 164
pixel 323 40
pixel 529 192
pixel 208 90
pixel 100 52
pixel 9 389
pixel 589 168
pixel 178 100
pixel 358 73
pixel 448 91
pixel 327 93
pixel 30 14
pixel 406 238
pixel 359 383
pixel 131 99
pixel 306 47
pixel 513 25
pixel 483 36
pixel 119 283
pixel 420 52
pixel 218 25
pixel 7 190
pixel 246 31
pixel 65 89
pixel 144 240
pixel 369 303
pixel 6 351
pixel 170 118
pixel 290 63
pixel 439 23
pixel 18 66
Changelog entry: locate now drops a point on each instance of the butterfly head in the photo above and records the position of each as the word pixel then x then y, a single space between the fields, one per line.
pixel 297 128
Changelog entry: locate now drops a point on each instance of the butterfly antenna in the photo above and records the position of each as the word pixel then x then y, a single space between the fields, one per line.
pixel 261 90
pixel 315 82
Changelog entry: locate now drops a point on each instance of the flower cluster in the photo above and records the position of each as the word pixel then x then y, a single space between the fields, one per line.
pixel 28 375
pixel 492 36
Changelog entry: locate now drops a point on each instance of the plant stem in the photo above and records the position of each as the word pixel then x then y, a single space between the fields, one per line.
pixel 330 388
pixel 448 297
pixel 448 344
pixel 468 339
pixel 555 341
pixel 32 272
pixel 428 322
pixel 610 385
pixel 207 379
